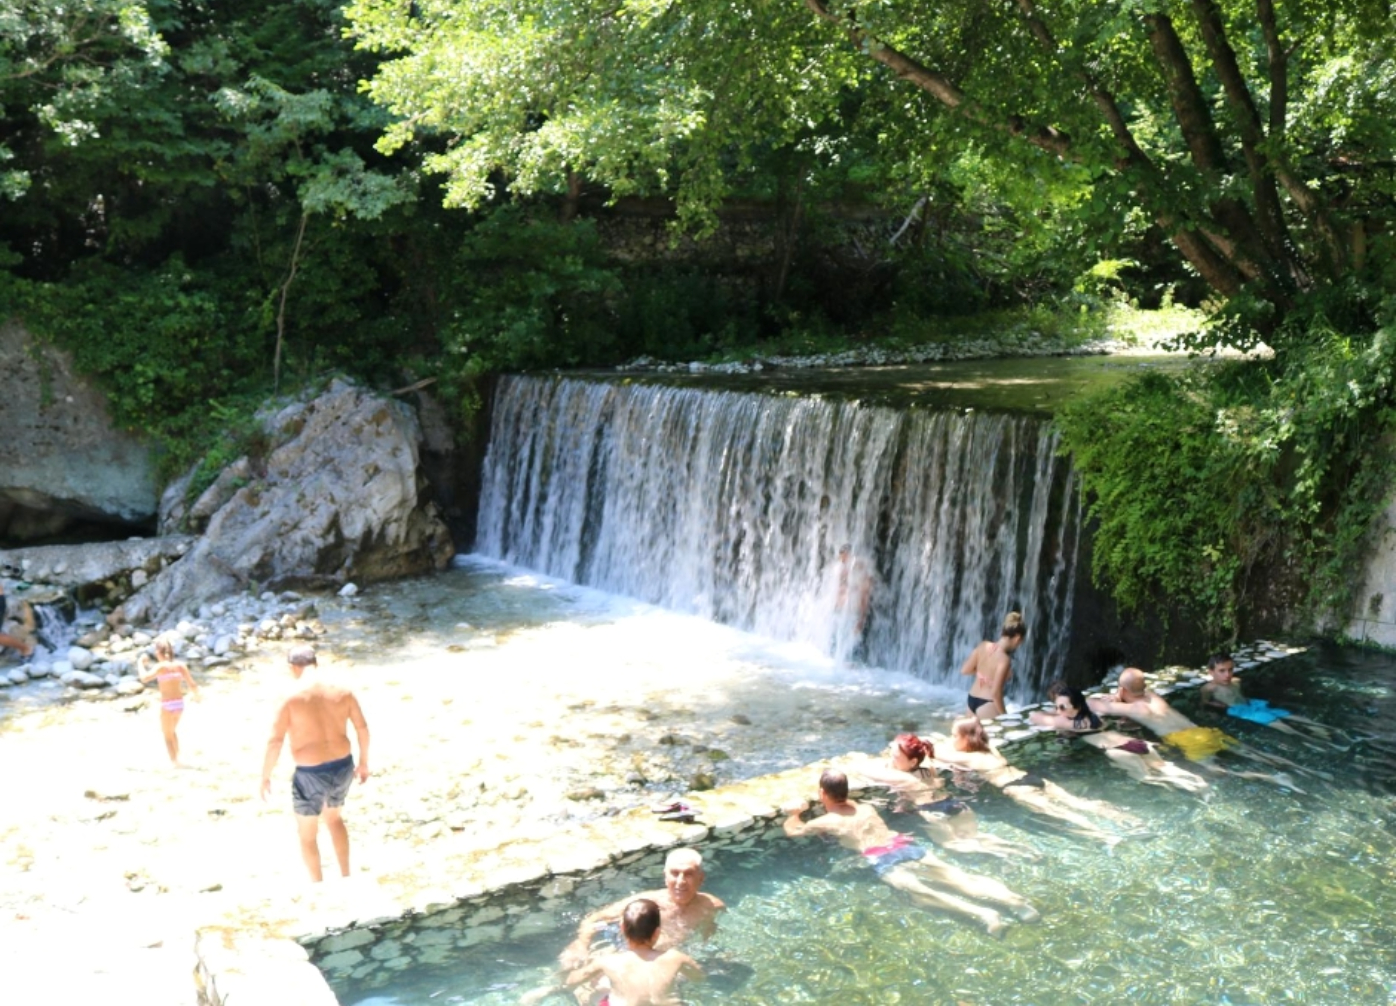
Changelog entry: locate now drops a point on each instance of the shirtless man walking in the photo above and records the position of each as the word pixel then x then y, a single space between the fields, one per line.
pixel 317 718
pixel 991 664
pixel 900 862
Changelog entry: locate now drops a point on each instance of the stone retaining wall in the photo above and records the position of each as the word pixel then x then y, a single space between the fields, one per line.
pixel 424 915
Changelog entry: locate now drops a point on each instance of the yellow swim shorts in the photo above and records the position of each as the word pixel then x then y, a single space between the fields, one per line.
pixel 1197 743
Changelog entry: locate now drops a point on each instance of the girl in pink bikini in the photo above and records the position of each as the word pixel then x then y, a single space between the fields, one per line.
pixel 170 676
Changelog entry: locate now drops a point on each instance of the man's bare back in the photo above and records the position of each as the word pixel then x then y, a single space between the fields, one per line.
pixel 646 977
pixel 858 827
pixel 317 719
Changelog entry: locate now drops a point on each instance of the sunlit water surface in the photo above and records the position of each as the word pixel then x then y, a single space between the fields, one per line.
pixel 1251 895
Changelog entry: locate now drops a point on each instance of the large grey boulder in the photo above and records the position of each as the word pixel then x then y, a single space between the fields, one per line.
pixel 338 495
pixel 61 459
pixel 122 564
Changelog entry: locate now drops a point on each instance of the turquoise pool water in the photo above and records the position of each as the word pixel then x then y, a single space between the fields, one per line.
pixel 1249 895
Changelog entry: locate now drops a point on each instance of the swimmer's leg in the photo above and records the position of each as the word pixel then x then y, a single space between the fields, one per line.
pixel 928 897
pixel 1108 811
pixel 974 885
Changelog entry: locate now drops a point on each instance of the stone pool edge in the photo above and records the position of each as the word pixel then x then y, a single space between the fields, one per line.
pixel 261 952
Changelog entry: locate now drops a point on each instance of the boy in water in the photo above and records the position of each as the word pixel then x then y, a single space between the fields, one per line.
pixel 1224 692
pixel 640 975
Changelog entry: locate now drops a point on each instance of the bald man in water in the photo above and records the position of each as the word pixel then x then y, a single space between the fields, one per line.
pixel 1134 700
pixel 317 718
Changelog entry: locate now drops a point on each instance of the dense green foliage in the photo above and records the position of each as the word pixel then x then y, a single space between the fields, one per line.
pixel 1241 485
pixel 1256 136
pixel 203 200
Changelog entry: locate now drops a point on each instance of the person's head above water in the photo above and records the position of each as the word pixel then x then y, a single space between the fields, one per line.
pixel 683 875
pixel 969 734
pixel 833 786
pixel 913 749
pixel 1071 701
pixel 1221 666
pixel 639 923
pixel 1132 684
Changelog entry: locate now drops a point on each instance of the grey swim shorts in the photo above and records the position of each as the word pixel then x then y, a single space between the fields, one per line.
pixel 315 787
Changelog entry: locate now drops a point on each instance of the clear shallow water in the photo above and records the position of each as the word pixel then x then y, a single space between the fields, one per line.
pixel 1252 895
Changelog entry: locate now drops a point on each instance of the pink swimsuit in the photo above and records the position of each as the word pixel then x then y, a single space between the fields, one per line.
pixel 171 705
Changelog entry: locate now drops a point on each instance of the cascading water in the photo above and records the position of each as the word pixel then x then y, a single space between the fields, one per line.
pixel 734 505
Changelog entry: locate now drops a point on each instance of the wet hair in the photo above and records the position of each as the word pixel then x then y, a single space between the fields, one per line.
pixel 1217 659
pixel 1013 625
pixel 914 747
pixel 835 784
pixel 1084 718
pixel 164 647
pixel 970 735
pixel 640 920
pixel 301 656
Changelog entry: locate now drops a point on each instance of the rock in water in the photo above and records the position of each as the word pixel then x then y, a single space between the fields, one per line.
pixel 337 494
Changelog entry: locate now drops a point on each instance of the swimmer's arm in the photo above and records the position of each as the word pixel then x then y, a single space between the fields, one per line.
pixel 583 973
pixel 793 826
pixel 278 736
pixel 146 676
pixel 971 664
pixel 356 717
pixel 1100 705
pixel 577 952
pixel 189 679
pixel 690 969
pixel 1054 720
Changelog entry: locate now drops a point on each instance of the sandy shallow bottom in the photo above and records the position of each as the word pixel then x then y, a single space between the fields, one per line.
pixel 498 703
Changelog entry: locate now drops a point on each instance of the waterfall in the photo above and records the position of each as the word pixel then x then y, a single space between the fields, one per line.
pixel 733 506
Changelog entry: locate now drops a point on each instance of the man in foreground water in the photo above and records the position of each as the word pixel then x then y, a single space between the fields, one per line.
pixel 685 910
pixel 317 718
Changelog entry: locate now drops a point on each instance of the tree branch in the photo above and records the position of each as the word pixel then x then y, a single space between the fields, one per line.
pixel 941 87
pixel 1273 230
pixel 1208 252
pixel 281 308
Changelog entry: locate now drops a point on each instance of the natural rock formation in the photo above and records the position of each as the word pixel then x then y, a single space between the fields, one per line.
pixel 62 463
pixel 338 494
pixel 110 569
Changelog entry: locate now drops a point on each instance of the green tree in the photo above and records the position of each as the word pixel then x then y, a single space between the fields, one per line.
pixel 1256 135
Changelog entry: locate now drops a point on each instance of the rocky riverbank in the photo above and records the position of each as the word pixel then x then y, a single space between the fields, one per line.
pixel 483 726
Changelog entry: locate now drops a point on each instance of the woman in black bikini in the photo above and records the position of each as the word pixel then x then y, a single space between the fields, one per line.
pixel 950 823
pixel 990 664
pixel 1134 755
